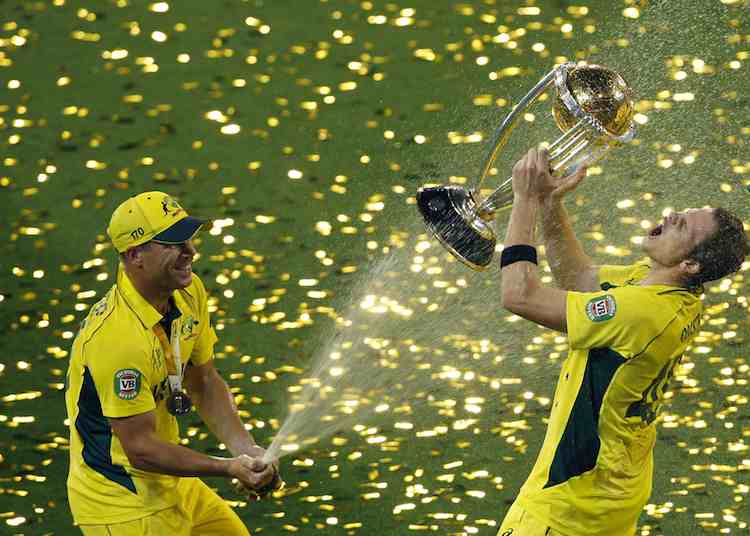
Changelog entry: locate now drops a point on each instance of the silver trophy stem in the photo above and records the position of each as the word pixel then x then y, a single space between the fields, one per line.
pixel 562 162
pixel 499 199
pixel 595 153
pixel 568 140
pixel 573 141
pixel 575 129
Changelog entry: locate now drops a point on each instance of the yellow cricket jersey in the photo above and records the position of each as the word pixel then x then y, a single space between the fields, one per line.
pixel 118 369
pixel 593 474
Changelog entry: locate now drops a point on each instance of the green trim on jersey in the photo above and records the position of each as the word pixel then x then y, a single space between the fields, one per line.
pixel 578 448
pixel 96 435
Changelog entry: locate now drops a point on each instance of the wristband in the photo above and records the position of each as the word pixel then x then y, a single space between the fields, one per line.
pixel 517 253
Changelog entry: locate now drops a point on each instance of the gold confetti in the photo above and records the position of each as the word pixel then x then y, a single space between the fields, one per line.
pixel 303 137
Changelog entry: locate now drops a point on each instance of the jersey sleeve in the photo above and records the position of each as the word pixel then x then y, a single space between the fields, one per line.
pixel 616 275
pixel 122 377
pixel 203 350
pixel 621 318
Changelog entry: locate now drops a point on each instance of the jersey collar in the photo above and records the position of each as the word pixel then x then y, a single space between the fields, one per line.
pixel 667 289
pixel 659 289
pixel 146 313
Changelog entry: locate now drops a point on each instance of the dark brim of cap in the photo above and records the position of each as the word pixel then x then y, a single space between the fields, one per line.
pixel 182 231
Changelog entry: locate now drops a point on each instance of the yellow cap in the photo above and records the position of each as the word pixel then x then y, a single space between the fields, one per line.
pixel 151 216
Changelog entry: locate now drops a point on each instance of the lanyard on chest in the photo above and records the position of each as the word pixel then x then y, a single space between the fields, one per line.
pixel 171 356
pixel 178 403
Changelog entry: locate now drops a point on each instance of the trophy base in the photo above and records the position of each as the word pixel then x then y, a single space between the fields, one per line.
pixel 450 214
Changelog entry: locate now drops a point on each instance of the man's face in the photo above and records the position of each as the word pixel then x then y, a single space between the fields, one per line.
pixel 671 241
pixel 169 266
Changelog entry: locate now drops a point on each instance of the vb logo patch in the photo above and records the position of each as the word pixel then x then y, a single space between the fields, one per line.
pixel 601 308
pixel 127 383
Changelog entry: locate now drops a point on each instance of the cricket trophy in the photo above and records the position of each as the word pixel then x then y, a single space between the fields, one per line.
pixel 593 107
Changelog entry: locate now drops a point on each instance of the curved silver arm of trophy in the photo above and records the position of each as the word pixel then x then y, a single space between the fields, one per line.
pixel 502 133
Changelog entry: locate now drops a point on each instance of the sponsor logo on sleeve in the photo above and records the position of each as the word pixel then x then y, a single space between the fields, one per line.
pixel 127 383
pixel 601 308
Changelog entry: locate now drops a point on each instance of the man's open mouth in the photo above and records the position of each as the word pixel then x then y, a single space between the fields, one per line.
pixel 656 231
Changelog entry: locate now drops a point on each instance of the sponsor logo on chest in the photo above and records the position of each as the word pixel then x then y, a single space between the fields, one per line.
pixel 187 328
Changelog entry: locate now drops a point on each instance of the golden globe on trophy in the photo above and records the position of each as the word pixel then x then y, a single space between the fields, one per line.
pixel 594 109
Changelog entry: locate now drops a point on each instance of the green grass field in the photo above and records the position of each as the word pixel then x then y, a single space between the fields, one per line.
pixel 305 127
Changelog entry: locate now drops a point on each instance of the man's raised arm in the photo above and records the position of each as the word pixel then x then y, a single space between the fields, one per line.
pixel 571 267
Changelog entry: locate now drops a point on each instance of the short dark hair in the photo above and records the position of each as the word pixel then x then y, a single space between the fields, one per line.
pixel 723 252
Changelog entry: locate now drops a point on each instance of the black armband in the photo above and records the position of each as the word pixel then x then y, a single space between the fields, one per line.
pixel 517 253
